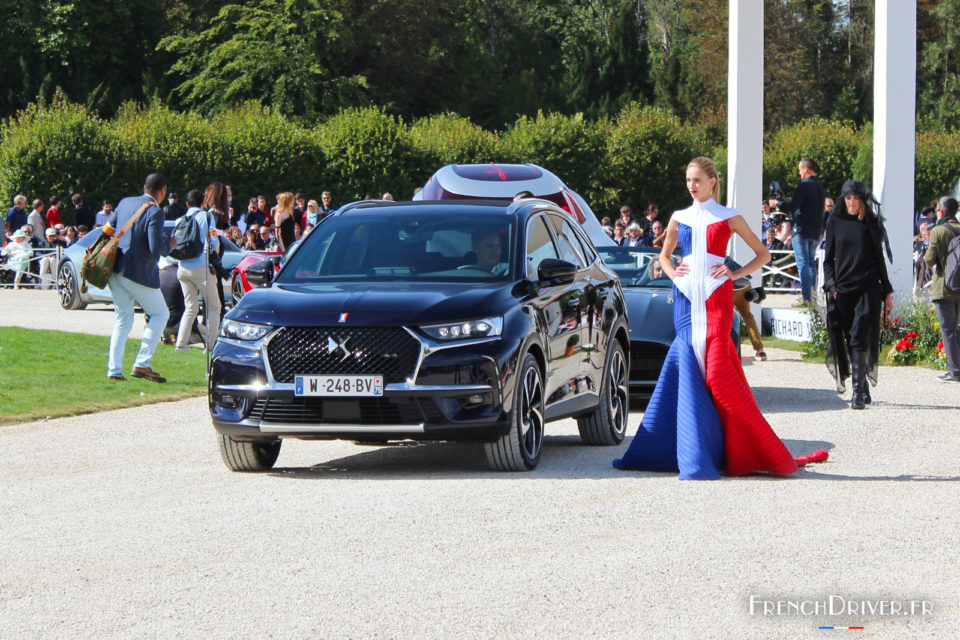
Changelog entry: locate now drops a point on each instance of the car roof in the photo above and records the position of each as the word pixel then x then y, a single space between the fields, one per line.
pixel 498 180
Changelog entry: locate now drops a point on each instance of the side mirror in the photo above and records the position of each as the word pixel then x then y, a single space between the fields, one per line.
pixel 260 274
pixel 556 271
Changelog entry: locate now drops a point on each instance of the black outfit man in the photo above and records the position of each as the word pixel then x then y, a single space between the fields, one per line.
pixel 807 204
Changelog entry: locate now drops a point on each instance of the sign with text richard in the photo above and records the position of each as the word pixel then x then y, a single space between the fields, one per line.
pixel 788 324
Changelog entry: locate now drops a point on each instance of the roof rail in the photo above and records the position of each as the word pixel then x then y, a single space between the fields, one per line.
pixel 535 204
pixel 363 204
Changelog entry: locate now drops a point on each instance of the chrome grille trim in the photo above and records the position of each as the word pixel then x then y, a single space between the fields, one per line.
pixel 305 351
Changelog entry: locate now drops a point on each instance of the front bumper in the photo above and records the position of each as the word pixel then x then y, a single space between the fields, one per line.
pixel 454 393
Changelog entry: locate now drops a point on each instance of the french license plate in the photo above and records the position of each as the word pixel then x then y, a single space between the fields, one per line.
pixel 338 386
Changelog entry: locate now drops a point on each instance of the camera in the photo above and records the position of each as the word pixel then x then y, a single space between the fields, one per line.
pixel 777 217
pixel 757 295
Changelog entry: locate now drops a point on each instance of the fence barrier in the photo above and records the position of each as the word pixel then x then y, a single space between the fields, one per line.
pixel 39 272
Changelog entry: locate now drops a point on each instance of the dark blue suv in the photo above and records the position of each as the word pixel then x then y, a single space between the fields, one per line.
pixel 458 321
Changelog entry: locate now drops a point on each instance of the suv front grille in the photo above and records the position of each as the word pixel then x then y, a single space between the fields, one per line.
pixel 387 351
pixel 646 360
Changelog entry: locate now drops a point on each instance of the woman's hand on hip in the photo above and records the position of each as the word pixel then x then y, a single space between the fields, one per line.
pixel 721 270
pixel 682 269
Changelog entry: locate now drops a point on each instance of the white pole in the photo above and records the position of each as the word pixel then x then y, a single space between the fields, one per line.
pixel 894 131
pixel 745 119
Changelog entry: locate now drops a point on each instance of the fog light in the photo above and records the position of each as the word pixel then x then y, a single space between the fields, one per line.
pixel 228 402
pixel 475 400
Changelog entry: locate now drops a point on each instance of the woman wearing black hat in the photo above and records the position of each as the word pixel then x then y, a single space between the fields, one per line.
pixel 857 286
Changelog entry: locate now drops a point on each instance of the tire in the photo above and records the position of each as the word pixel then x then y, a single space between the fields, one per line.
pixel 68 287
pixel 520 448
pixel 248 456
pixel 607 424
pixel 236 288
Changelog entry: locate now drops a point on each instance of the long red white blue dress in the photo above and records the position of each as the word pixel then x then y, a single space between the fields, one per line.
pixel 703 417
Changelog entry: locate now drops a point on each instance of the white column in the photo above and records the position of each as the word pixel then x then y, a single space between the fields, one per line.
pixel 745 119
pixel 894 131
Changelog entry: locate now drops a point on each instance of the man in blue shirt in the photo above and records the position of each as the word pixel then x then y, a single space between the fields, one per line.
pixel 196 276
pixel 104 214
pixel 136 278
pixel 17 215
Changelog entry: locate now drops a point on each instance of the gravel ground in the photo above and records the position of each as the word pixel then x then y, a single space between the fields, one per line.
pixel 126 524
pixel 41 309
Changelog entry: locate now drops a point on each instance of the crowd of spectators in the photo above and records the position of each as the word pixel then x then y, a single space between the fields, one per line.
pixel 31 235
pixel 627 231
pixel 254 227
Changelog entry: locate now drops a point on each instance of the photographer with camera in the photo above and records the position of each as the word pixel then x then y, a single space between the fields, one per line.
pixel 807 205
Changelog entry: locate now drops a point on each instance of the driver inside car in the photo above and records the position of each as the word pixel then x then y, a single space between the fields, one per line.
pixel 486 245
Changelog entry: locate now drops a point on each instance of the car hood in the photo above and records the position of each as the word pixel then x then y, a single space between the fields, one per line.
pixel 371 304
pixel 650 311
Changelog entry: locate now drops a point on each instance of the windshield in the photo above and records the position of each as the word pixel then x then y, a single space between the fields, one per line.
pixel 405 246
pixel 637 266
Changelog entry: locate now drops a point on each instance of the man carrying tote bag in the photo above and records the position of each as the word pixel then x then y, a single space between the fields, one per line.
pixel 136 278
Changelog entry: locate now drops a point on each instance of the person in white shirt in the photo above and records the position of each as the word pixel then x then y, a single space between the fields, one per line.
pixel 104 214
pixel 196 275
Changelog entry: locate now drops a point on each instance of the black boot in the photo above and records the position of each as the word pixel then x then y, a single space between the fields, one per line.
pixel 858 378
pixel 864 379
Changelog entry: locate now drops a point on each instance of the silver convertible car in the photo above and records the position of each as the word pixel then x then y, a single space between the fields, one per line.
pixel 648 294
pixel 68 271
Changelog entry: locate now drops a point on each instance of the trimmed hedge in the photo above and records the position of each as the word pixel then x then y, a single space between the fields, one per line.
pixel 647 153
pixel 365 151
pixel 570 146
pixel 639 157
pixel 834 145
pixel 451 139
pixel 260 152
pixel 61 149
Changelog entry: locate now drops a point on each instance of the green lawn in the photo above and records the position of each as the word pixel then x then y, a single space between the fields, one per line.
pixel 769 342
pixel 54 373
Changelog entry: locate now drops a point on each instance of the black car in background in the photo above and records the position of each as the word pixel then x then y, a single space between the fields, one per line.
pixel 457 321
pixel 648 293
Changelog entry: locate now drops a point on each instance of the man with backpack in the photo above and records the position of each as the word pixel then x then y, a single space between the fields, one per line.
pixel 944 254
pixel 196 234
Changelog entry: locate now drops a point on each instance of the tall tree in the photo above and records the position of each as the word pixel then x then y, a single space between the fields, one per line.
pixel 283 53
pixel 939 67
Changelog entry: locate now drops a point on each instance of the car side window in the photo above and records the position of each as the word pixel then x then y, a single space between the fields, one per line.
pixel 539 247
pixel 567 243
pixel 586 248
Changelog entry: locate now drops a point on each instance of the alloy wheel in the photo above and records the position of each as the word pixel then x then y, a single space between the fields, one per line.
pixel 66 286
pixel 236 288
pixel 619 398
pixel 531 414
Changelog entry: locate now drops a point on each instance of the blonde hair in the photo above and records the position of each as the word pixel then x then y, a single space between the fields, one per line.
pixel 710 168
pixel 285 201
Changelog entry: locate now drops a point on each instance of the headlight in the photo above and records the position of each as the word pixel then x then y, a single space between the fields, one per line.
pixel 243 330
pixel 466 330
